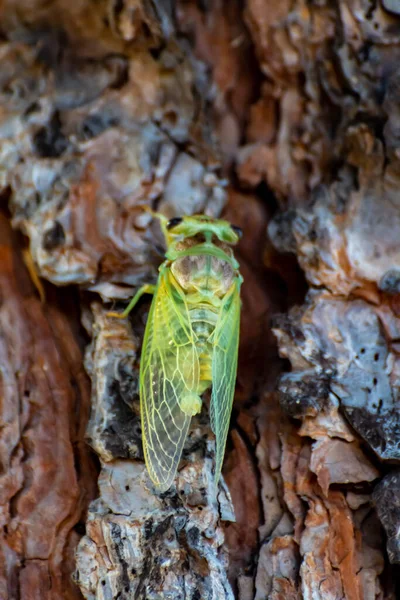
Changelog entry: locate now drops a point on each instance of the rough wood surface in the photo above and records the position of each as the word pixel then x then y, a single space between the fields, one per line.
pixel 47 476
pixel 283 115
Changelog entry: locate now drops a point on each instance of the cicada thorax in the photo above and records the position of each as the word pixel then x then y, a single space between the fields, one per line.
pixel 202 273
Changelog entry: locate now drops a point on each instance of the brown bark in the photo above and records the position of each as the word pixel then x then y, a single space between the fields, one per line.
pixel 47 475
pixel 283 115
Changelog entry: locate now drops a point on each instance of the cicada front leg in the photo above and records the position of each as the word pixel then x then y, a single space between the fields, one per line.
pixel 148 288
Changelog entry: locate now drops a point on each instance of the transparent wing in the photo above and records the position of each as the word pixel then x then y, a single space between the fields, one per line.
pixel 169 376
pixel 224 367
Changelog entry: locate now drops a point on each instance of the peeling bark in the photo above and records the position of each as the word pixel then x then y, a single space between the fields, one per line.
pixel 282 116
pixel 45 404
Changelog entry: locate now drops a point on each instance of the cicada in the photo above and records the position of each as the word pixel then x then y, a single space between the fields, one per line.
pixel 191 340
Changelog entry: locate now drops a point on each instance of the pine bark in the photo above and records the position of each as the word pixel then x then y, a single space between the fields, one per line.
pixel 282 116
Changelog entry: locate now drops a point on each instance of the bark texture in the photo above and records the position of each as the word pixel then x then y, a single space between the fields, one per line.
pixel 284 117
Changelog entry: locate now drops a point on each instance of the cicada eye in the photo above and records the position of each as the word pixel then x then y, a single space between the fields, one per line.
pixel 174 222
pixel 237 230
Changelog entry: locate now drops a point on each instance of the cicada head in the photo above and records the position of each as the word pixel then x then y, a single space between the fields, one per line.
pixel 192 226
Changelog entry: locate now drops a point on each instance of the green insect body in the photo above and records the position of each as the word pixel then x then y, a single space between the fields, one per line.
pixel 190 342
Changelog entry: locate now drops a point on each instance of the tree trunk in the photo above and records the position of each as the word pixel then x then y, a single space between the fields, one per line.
pixel 282 116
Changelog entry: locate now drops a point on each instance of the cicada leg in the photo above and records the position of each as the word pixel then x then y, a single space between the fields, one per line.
pixel 30 265
pixel 162 218
pixel 148 288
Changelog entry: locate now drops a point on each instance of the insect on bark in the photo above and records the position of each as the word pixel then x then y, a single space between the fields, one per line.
pixel 191 340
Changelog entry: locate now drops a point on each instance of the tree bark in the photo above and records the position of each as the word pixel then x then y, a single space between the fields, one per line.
pixel 282 116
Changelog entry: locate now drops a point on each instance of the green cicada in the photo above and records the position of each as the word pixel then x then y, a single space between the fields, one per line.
pixel 191 340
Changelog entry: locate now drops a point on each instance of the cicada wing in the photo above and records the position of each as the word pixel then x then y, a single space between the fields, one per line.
pixel 169 376
pixel 224 368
